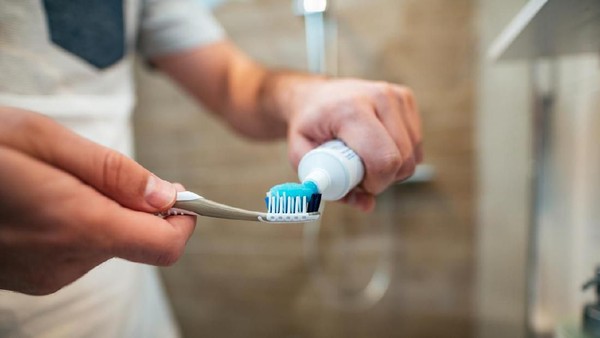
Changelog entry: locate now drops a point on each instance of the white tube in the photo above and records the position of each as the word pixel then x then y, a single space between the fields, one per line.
pixel 333 167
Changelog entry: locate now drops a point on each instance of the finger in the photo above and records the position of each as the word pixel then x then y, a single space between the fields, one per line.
pixel 108 171
pixel 390 109
pixel 411 118
pixel 298 146
pixel 360 199
pixel 419 153
pixel 117 176
pixel 132 235
pixel 145 238
pixel 371 141
pixel 75 215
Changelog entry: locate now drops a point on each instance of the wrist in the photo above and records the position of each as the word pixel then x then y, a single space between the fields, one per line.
pixel 286 91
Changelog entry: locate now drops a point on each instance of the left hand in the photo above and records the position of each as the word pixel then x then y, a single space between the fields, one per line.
pixel 68 204
pixel 378 120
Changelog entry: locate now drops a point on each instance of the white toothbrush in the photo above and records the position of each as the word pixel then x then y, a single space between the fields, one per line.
pixel 189 203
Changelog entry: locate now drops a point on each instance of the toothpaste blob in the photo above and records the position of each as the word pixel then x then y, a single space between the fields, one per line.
pixel 295 189
pixel 293 198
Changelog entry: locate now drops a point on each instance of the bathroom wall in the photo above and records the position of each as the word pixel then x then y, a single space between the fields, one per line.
pixel 252 280
pixel 538 221
pixel 504 136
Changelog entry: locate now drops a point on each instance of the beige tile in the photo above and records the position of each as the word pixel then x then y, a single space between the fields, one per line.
pixel 241 279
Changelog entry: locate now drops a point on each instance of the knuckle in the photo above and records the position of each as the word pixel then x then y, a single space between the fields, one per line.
pixel 374 186
pixel 348 110
pixel 408 96
pixel 388 90
pixel 384 172
pixel 112 163
pixel 389 165
pixel 405 95
pixel 383 93
pixel 408 169
pixel 404 92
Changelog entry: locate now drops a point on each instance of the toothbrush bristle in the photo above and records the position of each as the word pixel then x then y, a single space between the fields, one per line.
pixel 314 203
pixel 281 203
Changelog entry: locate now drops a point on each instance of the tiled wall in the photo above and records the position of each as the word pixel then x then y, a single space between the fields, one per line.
pixel 251 280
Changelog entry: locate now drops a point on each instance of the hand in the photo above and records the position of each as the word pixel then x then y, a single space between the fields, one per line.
pixel 378 120
pixel 68 204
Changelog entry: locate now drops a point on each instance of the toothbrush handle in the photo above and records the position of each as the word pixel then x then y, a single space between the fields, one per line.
pixel 210 208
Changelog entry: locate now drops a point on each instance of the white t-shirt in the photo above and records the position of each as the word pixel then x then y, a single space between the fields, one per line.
pixel 73 61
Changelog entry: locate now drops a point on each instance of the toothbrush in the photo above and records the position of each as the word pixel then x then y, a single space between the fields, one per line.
pixel 329 171
pixel 189 203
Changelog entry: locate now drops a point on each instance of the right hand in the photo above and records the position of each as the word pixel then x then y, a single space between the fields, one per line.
pixel 68 204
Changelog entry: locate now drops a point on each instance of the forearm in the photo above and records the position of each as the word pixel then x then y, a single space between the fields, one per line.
pixel 254 104
pixel 255 101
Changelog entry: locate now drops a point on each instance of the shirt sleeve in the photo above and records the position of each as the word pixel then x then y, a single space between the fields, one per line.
pixel 169 26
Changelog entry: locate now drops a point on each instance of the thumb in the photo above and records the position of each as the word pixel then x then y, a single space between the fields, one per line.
pixel 125 181
pixel 298 146
pixel 118 177
pixel 111 173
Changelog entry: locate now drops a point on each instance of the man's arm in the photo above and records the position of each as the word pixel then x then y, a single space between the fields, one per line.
pixel 378 120
pixel 235 87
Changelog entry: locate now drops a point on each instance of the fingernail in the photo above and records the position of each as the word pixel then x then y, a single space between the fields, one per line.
pixel 159 193
pixel 179 187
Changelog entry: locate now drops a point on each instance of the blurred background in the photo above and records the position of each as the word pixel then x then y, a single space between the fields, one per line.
pixel 494 239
